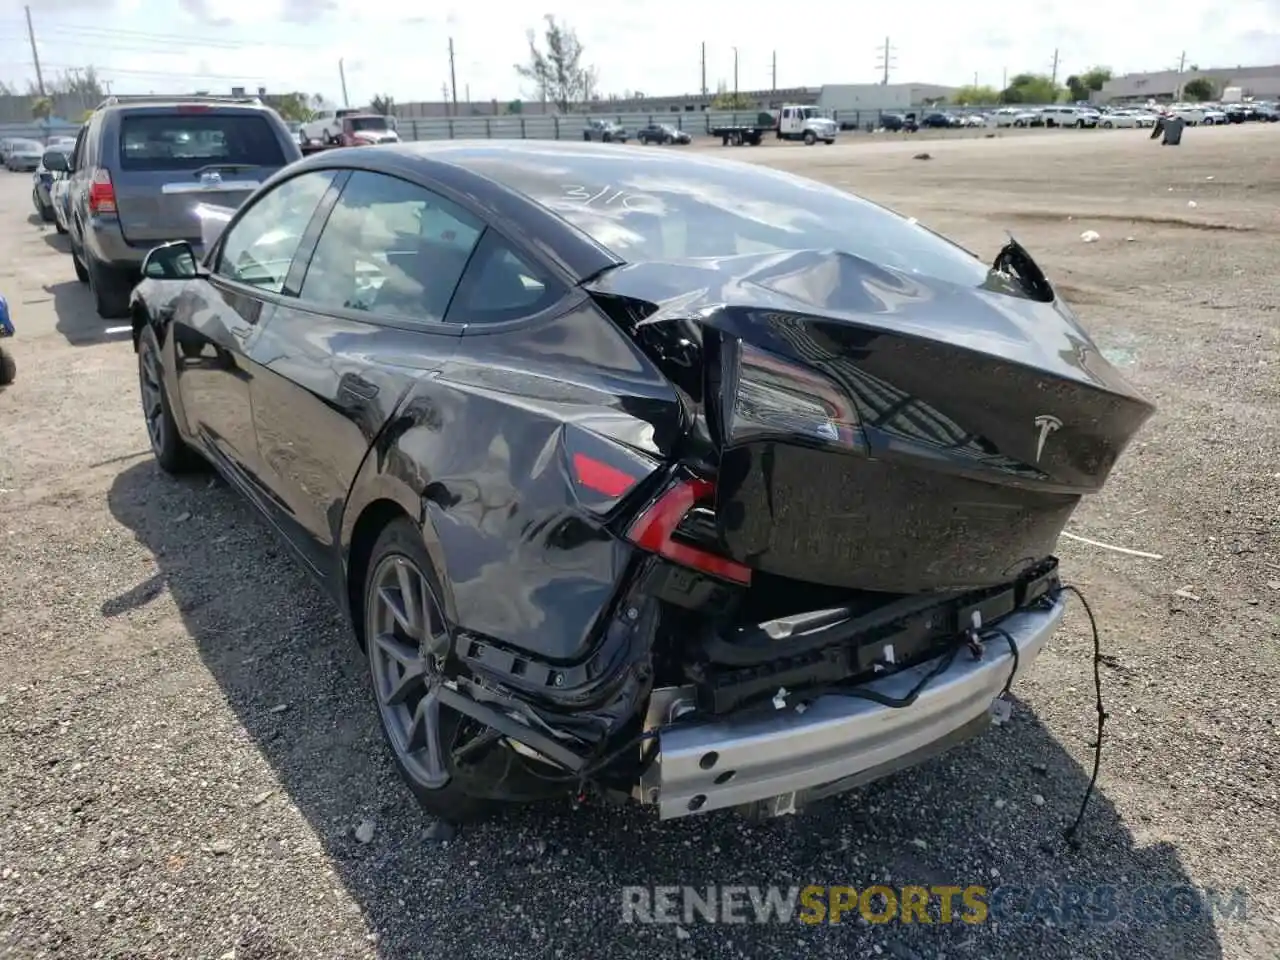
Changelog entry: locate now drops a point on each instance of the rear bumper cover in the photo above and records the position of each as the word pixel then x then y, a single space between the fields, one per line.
pixel 839 742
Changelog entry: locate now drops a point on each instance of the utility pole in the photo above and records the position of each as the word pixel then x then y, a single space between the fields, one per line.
pixel 1182 63
pixel 975 78
pixel 735 78
pixel 342 75
pixel 885 62
pixel 704 68
pixel 453 79
pixel 1053 77
pixel 1004 79
pixel 1182 60
pixel 468 97
pixel 35 54
pixel 773 88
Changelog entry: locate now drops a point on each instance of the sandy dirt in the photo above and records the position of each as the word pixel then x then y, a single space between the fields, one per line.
pixel 189 743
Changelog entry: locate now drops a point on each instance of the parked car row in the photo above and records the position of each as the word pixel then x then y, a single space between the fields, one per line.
pixel 1082 116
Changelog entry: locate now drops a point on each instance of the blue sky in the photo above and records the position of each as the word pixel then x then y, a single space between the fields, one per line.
pixel 163 45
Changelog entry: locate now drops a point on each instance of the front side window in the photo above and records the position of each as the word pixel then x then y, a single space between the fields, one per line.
pixel 391 248
pixel 258 249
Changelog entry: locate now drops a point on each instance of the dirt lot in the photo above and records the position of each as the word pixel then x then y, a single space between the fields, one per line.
pixel 188 742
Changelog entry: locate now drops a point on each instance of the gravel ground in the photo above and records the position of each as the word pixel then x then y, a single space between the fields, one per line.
pixel 189 745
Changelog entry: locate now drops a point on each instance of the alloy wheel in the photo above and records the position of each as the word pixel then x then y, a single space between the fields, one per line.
pixel 408 645
pixel 152 390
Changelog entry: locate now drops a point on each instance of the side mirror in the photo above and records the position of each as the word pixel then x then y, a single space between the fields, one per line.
pixel 54 161
pixel 171 261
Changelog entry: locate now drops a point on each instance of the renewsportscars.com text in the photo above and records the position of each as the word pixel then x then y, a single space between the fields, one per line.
pixel 1062 905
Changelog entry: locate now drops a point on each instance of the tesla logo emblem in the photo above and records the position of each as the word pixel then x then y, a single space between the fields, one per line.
pixel 1046 425
pixel 210 179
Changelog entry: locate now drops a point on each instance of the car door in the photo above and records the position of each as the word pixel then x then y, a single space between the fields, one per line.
pixel 216 322
pixel 336 360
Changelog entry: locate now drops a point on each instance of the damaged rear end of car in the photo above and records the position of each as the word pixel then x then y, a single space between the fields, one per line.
pixel 842 552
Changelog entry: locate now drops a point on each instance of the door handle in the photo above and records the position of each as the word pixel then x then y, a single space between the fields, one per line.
pixel 357 387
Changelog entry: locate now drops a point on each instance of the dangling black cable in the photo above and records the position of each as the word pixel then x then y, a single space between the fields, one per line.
pixel 1070 833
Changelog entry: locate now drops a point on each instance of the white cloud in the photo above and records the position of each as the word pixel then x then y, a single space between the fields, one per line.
pixel 296 44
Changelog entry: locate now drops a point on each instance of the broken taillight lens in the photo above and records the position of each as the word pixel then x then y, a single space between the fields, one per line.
pixel 771 397
pixel 654 530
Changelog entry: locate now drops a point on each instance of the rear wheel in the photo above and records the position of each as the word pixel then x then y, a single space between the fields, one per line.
pixel 1107 125
pixel 110 288
pixel 810 138
pixel 170 450
pixel 8 368
pixel 77 261
pixel 451 763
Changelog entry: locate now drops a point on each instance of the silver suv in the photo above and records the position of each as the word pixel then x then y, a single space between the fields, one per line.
pixel 142 165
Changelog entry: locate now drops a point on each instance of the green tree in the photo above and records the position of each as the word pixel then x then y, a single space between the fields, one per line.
pixel 1084 86
pixel 515 106
pixel 383 104
pixel 1201 88
pixel 726 99
pixel 294 106
pixel 1030 88
pixel 556 69
pixel 975 95
pixel 42 108
pixel 1095 77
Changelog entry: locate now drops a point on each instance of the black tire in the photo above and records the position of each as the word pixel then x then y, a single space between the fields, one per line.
pixel 810 138
pixel 77 261
pixel 586 137
pixel 46 213
pixel 1079 124
pixel 454 793
pixel 110 289
pixel 8 368
pixel 59 227
pixel 170 450
pixel 1107 125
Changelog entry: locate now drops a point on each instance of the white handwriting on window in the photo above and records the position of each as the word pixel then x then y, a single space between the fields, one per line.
pixel 607 196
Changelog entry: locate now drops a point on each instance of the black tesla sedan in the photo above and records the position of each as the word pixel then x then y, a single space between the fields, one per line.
pixel 681 478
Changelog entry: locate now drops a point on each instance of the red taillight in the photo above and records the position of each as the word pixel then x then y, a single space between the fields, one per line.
pixel 102 193
pixel 598 476
pixel 654 528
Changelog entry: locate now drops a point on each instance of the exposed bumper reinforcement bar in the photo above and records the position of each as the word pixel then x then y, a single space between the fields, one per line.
pixel 839 742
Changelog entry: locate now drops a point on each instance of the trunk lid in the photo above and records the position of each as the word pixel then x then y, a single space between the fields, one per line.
pixel 958 426
pixel 173 161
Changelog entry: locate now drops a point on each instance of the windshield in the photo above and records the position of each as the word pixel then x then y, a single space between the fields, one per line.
pixel 810 113
pixel 666 208
pixel 188 141
pixel 367 123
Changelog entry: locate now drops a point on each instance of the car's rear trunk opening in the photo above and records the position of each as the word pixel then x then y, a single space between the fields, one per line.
pixel 939 445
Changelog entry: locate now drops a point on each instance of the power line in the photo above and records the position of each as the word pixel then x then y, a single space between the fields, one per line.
pixel 172 74
pixel 159 39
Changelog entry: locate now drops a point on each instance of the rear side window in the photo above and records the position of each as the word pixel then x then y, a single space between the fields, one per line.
pixel 188 141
